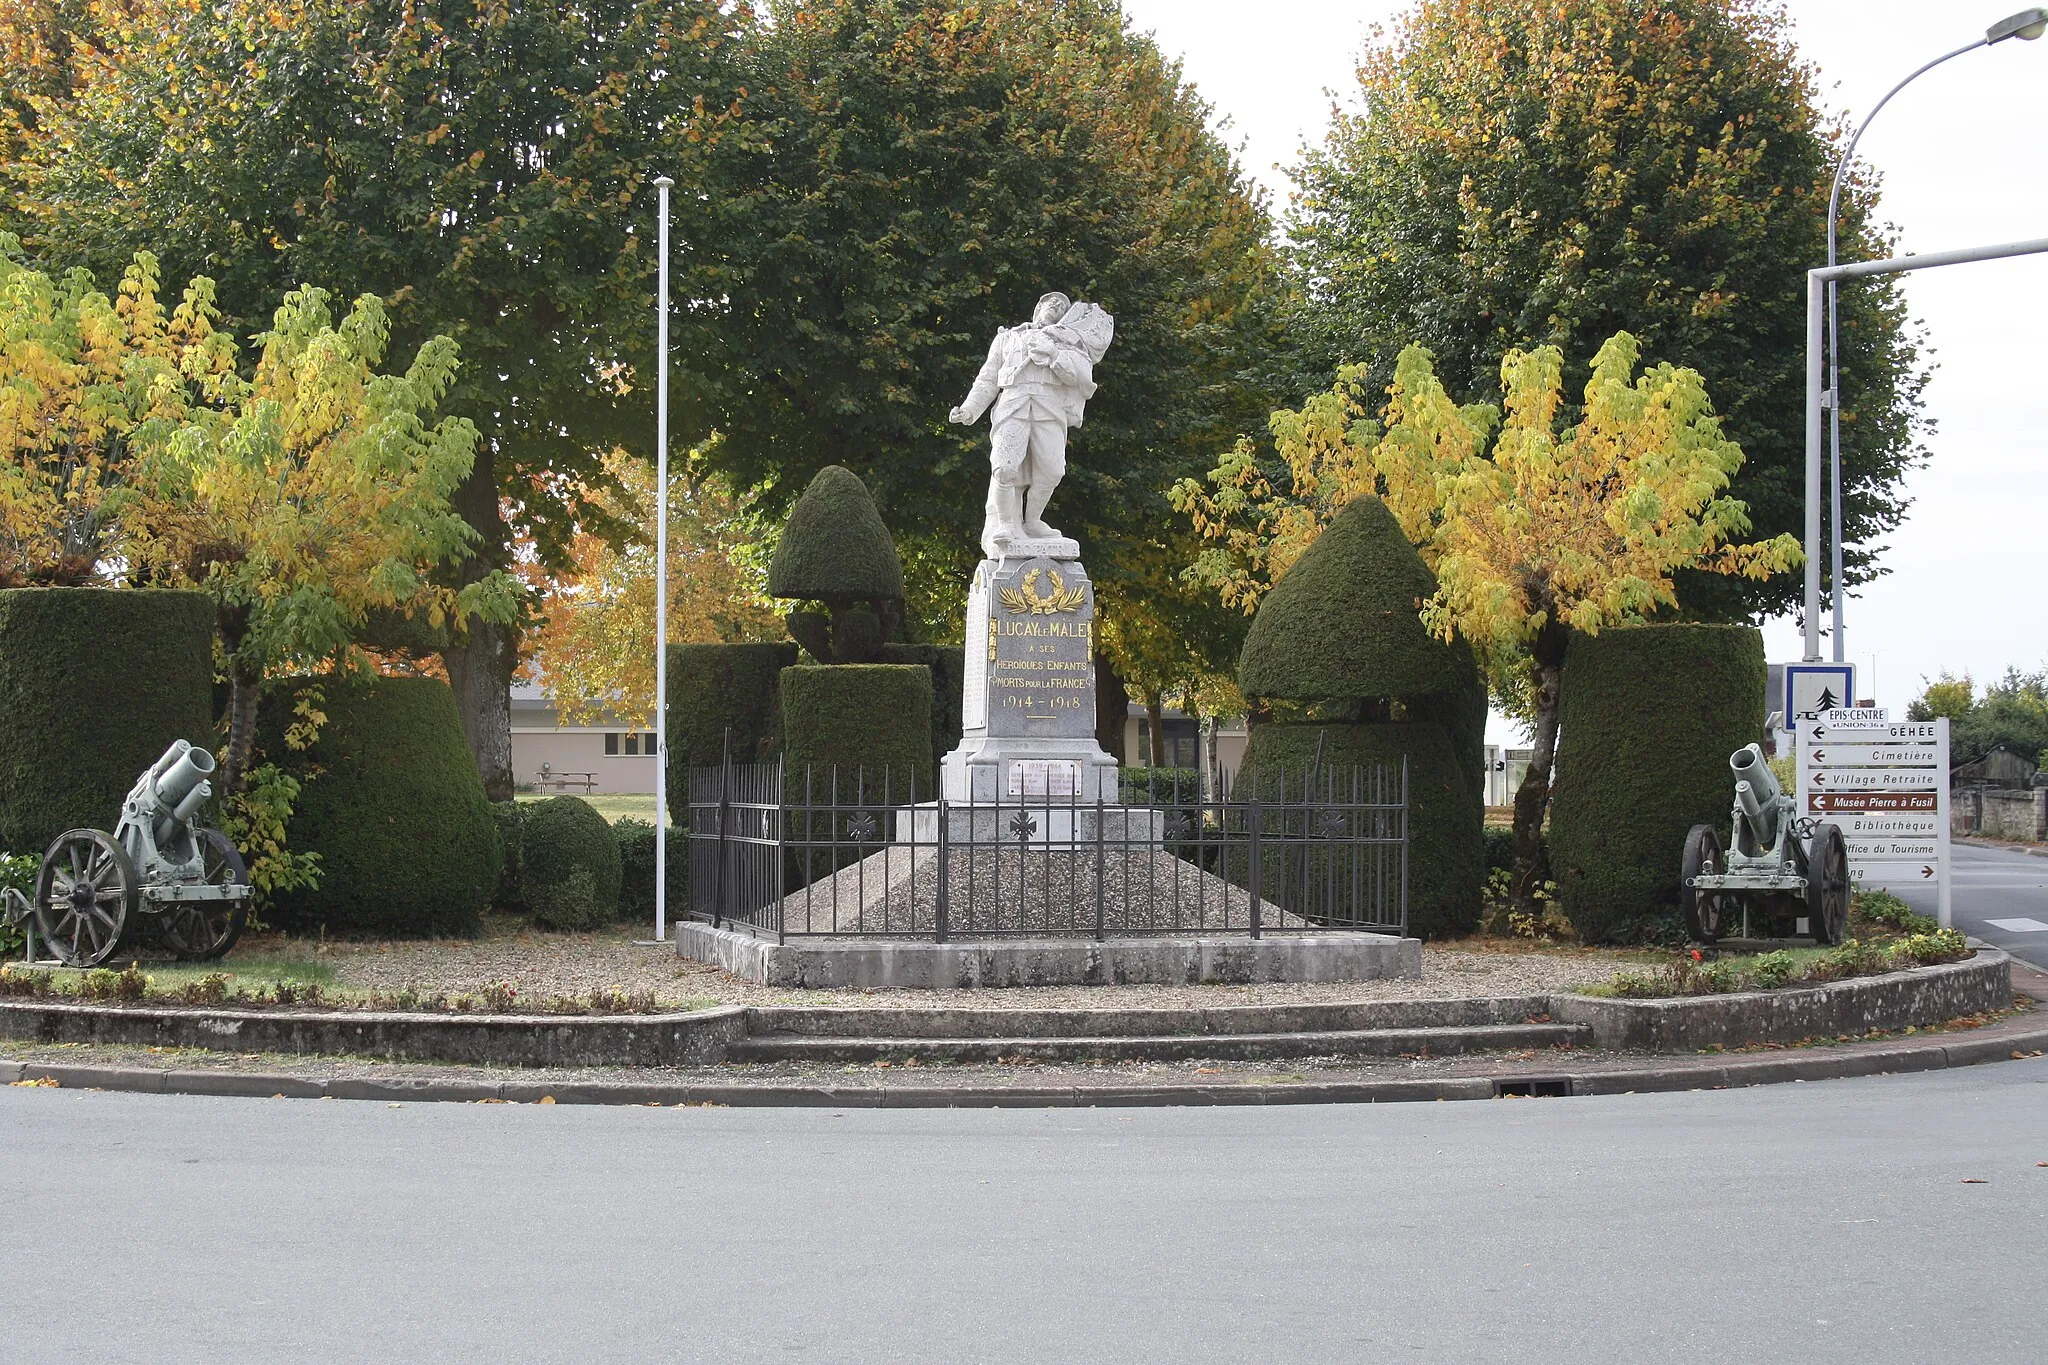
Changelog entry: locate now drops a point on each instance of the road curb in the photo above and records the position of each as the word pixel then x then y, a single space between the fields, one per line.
pixel 1661 1075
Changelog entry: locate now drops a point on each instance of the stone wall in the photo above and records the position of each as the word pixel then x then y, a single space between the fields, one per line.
pixel 2000 812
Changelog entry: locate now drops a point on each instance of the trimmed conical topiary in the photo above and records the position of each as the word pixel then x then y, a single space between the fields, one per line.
pixel 835 545
pixel 1343 622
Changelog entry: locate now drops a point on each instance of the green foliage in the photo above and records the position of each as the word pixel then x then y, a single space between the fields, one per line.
pixel 17 873
pixel 483 167
pixel 507 818
pixel 570 868
pixel 910 177
pixel 393 806
pixel 1882 907
pixel 713 689
pixel 872 718
pixel 1141 786
pixel 1345 621
pixel 835 545
pixel 1649 716
pixel 1446 851
pixel 1523 175
pixel 636 867
pixel 948 664
pixel 2012 712
pixel 94 685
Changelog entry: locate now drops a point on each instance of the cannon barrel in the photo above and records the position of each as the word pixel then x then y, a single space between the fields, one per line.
pixel 1756 791
pixel 178 787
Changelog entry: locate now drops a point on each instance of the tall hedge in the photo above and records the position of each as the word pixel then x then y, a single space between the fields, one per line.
pixel 948 664
pixel 95 683
pixel 392 804
pixel 1344 621
pixel 876 717
pixel 1648 716
pixel 1446 852
pixel 713 688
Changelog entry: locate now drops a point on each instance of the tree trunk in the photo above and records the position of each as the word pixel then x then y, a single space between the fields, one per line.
pixel 1532 798
pixel 245 690
pixel 1155 716
pixel 1215 774
pixel 482 656
pixel 1112 708
pixel 480 670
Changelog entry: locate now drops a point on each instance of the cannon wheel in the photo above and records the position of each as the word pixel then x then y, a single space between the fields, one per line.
pixel 1827 881
pixel 1705 911
pixel 198 931
pixel 86 897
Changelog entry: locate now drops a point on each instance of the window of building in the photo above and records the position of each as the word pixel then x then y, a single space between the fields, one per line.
pixel 611 744
pixel 632 744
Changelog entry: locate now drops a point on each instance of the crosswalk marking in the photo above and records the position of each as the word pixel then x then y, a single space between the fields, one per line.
pixel 2019 926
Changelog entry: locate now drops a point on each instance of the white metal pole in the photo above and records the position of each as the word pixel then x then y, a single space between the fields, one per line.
pixel 662 184
pixel 1816 295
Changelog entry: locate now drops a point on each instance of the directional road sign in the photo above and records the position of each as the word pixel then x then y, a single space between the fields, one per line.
pixel 1885 784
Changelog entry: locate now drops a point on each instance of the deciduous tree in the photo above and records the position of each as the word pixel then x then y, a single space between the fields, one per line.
pixel 1536 526
pixel 1551 173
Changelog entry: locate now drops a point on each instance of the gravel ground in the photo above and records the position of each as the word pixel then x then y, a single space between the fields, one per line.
pixel 543 965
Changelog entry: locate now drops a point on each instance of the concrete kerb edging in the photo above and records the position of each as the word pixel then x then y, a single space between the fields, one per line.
pixel 1921 997
pixel 1710 1073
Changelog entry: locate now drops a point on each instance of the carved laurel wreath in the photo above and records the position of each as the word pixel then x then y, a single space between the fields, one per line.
pixel 1028 600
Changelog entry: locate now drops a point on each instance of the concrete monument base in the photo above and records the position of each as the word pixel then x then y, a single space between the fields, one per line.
pixel 902 964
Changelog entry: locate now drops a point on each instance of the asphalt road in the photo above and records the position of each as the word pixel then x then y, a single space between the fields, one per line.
pixel 1832 1221
pixel 1995 884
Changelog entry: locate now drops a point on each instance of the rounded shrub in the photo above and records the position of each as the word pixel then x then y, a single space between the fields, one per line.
pixel 1344 621
pixel 95 683
pixel 392 804
pixel 1647 718
pixel 835 545
pixel 508 898
pixel 636 866
pixel 570 871
pixel 1446 850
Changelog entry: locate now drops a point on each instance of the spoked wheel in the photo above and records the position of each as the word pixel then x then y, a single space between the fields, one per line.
pixel 1705 911
pixel 200 930
pixel 1827 882
pixel 86 898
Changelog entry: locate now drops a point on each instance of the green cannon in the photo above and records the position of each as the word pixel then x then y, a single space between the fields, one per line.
pixel 160 867
pixel 1777 869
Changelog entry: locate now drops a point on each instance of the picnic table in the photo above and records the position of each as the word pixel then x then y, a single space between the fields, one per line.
pixel 562 782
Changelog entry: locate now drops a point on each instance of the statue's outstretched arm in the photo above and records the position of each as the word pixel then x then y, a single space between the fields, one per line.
pixel 984 391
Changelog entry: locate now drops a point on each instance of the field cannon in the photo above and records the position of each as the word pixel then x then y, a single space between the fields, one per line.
pixel 1777 868
pixel 96 891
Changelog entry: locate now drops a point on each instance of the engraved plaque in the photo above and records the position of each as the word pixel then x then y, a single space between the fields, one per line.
pixel 1037 661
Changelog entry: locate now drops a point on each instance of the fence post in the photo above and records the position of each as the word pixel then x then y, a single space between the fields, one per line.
pixel 1404 845
pixel 1255 814
pixel 781 857
pixel 1098 865
pixel 720 880
pixel 940 908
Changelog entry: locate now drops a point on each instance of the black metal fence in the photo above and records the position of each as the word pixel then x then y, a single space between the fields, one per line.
pixel 876 854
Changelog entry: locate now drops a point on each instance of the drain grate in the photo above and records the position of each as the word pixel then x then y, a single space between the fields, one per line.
pixel 1532 1087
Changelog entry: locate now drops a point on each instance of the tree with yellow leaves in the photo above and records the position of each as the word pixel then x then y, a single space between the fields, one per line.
pixel 309 496
pixel 592 650
pixel 1545 524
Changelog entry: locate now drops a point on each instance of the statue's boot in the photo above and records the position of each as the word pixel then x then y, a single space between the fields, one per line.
pixel 1005 513
pixel 1034 514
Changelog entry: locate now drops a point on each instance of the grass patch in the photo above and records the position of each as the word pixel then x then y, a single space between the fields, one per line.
pixel 613 806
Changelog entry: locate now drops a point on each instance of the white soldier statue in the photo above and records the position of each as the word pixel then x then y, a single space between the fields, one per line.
pixel 1038 376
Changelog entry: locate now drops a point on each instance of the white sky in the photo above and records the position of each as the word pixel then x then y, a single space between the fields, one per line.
pixel 1962 157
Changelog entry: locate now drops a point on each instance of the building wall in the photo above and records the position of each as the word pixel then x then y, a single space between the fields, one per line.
pixel 578 751
pixel 2000 812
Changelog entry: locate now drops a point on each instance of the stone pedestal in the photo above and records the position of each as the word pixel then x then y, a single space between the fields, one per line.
pixel 1028 708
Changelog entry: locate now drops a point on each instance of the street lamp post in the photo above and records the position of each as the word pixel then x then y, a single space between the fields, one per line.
pixel 2028 24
